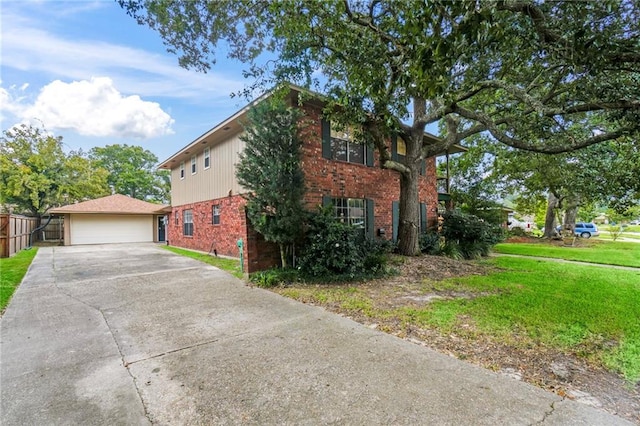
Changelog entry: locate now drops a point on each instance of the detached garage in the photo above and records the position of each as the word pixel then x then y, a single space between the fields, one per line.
pixel 113 219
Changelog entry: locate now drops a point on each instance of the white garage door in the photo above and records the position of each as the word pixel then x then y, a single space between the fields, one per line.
pixel 102 228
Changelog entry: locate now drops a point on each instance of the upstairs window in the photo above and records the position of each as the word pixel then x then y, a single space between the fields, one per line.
pixel 215 214
pixel 194 162
pixel 344 147
pixel 187 225
pixel 207 158
pixel 340 145
pixel 182 170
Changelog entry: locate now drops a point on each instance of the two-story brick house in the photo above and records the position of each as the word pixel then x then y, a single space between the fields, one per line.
pixel 207 207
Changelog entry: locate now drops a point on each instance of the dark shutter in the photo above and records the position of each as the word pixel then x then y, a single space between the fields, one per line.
pixel 369 154
pixel 394 148
pixel 395 219
pixel 370 219
pixel 423 217
pixel 326 139
pixel 423 167
pixel 327 201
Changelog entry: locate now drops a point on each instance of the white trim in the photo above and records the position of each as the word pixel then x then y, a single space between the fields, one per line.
pixel 182 173
pixel 194 164
pixel 206 156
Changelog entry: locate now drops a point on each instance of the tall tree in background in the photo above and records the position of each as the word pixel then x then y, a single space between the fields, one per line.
pixel 269 167
pixel 541 76
pixel 600 174
pixel 132 172
pixel 37 174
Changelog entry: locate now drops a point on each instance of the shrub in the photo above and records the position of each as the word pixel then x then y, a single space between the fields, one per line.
pixel 430 243
pixel 473 236
pixel 274 277
pixel 337 251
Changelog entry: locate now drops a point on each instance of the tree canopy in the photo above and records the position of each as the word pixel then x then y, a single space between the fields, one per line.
pixel 132 172
pixel 37 174
pixel 541 76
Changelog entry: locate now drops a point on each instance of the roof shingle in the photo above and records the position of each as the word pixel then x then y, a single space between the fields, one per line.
pixel 113 204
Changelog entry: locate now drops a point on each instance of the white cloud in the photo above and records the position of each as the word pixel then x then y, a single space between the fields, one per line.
pixel 28 47
pixel 92 108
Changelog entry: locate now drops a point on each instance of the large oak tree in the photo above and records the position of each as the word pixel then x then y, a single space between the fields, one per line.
pixel 534 75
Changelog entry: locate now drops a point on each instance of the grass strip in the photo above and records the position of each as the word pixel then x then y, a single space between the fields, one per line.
pixel 232 266
pixel 12 271
pixel 603 252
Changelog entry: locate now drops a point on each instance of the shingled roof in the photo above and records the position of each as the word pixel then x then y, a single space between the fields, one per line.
pixel 112 204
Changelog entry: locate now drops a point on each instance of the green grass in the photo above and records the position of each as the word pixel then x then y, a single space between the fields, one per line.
pixel 12 270
pixel 606 252
pixel 230 265
pixel 588 311
pixel 591 311
pixel 607 236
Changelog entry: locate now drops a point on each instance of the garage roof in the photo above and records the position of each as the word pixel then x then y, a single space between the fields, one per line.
pixel 112 204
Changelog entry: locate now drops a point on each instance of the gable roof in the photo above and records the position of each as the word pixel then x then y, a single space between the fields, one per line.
pixel 112 204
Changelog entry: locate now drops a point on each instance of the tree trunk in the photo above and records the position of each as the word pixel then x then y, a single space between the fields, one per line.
pixel 283 256
pixel 550 217
pixel 570 212
pixel 408 217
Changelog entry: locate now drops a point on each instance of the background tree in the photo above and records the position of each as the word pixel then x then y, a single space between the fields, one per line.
pixel 269 168
pixel 132 172
pixel 597 174
pixel 37 174
pixel 546 77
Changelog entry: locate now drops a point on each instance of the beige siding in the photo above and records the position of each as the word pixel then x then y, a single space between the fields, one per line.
pixel 214 182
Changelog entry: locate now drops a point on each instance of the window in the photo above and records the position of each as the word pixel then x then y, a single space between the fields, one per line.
pixel 207 158
pixel 194 162
pixel 344 148
pixel 351 211
pixel 177 220
pixel 215 213
pixel 187 224
pixel 182 170
pixel 401 147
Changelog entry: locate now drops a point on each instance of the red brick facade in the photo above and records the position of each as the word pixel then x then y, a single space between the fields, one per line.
pixel 222 237
pixel 323 177
pixel 340 179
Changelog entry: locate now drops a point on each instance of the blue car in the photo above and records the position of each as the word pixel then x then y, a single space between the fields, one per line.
pixel 586 230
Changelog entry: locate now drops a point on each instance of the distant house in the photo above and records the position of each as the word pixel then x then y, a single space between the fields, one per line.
pixel 207 208
pixel 112 219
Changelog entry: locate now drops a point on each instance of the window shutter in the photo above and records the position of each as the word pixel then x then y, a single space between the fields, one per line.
pixel 394 149
pixel 326 139
pixel 370 219
pixel 395 219
pixel 369 155
pixel 327 201
pixel 423 167
pixel 423 217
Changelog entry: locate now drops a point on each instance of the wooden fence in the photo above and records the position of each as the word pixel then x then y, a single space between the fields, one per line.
pixel 14 233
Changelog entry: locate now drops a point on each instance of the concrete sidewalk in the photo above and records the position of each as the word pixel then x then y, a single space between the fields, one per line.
pixel 125 334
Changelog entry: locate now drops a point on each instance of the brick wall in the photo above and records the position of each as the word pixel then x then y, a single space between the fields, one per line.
pixel 223 237
pixel 348 180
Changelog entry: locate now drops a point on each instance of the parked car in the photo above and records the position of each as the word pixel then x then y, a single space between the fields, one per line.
pixel 634 222
pixel 586 230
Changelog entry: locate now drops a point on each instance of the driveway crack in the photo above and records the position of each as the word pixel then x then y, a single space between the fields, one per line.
pixel 547 414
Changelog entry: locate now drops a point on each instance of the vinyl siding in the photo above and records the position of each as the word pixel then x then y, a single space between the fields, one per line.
pixel 211 183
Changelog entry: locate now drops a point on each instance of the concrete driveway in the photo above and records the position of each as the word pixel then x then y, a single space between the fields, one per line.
pixel 126 335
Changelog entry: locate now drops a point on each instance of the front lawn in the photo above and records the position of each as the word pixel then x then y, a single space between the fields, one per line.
pixel 607 252
pixel 12 270
pixel 521 306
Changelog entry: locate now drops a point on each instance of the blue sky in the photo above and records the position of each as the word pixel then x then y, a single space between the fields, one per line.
pixel 92 75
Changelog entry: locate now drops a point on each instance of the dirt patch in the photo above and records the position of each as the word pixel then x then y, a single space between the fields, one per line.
pixel 566 374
